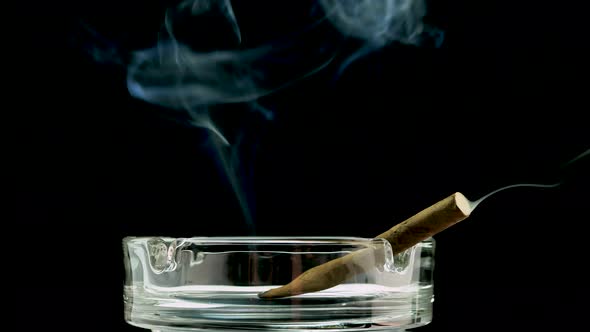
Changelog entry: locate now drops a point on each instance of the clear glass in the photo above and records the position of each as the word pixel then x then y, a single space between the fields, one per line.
pixel 212 283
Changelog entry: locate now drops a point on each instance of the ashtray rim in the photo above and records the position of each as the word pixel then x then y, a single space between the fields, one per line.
pixel 264 239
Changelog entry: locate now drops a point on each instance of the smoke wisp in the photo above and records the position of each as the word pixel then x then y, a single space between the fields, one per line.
pixel 474 204
pixel 197 71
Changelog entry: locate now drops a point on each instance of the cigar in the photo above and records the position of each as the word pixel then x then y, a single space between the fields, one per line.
pixel 402 236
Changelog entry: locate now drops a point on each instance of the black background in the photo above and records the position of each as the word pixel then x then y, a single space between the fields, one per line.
pixel 501 102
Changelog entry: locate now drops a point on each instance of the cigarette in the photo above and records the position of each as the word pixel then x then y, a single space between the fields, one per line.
pixel 419 227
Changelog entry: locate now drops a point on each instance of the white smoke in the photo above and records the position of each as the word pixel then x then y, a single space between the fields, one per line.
pixel 174 75
pixel 378 21
pixel 474 204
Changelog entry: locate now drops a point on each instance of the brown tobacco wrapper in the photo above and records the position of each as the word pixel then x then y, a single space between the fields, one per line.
pixel 402 236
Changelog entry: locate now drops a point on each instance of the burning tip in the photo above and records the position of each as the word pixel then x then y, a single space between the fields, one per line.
pixel 465 205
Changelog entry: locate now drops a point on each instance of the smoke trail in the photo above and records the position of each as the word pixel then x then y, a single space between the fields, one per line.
pixel 198 71
pixel 474 204
pixel 581 156
pixel 173 75
pixel 377 21
pixel 380 22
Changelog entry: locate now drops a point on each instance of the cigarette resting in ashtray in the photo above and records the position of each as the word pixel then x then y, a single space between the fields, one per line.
pixel 402 236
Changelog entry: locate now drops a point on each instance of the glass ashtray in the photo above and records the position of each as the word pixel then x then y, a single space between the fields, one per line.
pixel 212 283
